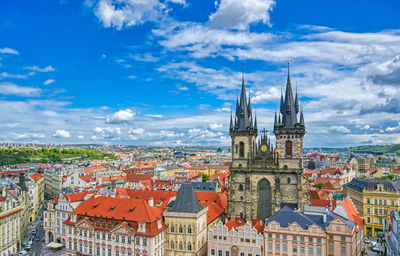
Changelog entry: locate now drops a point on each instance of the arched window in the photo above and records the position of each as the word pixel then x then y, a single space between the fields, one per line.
pixel 189 229
pixel 180 246
pixel 288 148
pixel 172 228
pixel 368 201
pixel 172 245
pixel 240 187
pixel 288 180
pixel 189 246
pixel 180 229
pixel 241 149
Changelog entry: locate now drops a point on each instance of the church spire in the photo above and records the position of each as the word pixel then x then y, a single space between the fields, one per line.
pixel 288 106
pixel 296 102
pixel 230 123
pixel 243 109
pixel 255 120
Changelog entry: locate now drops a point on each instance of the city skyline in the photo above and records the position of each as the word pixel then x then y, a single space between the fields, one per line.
pixel 169 72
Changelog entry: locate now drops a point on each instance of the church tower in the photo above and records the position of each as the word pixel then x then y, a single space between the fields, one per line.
pixel 289 132
pixel 243 131
pixel 265 178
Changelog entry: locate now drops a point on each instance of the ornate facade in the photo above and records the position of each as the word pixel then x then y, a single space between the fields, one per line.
pixel 265 178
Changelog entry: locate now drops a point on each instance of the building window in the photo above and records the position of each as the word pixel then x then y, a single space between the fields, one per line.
pixel 288 180
pixel 212 252
pixel 368 210
pixel 241 149
pixel 294 248
pixel 269 235
pixel 302 249
pixel 294 238
pixel 368 219
pixel 392 202
pixel 310 250
pixel 343 239
pixel 172 245
pixel 319 240
pixel 270 246
pixel 227 253
pixel 278 247
pixel 331 248
pixel 310 239
pixel 219 252
pixel 319 251
pixel 109 252
pixel 137 241
pixel 190 247
pixel 284 247
pixel 343 251
pixel 302 238
pixel 172 228
pixel 189 229
pixel 278 236
pixel 368 201
pixel 180 246
pixel 144 242
pixel 338 228
pixel 98 251
pixel 285 237
pixel 117 238
pixel 180 229
pixel 288 148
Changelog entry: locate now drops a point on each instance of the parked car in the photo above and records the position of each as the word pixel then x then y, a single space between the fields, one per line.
pixel 375 247
pixel 28 247
pixel 366 240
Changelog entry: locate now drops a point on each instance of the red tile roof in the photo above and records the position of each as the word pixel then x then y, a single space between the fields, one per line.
pixel 36 176
pixel 138 177
pixel 86 178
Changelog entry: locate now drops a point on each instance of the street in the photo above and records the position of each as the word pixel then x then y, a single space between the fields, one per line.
pixel 36 225
pixel 370 252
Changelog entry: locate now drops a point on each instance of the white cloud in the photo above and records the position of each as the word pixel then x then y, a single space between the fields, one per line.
pixel 108 132
pixel 61 134
pixel 365 127
pixel 38 69
pixel 49 81
pixel 7 88
pixel 240 14
pixel 121 116
pixel 395 128
pixel 7 50
pixel 126 13
pixel 215 126
pixel 8 75
pixel 81 137
pixel 270 94
pixel 339 128
pixel 136 131
pixel 224 110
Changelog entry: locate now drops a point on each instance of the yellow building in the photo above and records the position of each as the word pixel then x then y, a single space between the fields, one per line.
pixel 39 178
pixel 187 225
pixel 10 211
pixel 208 169
pixel 374 198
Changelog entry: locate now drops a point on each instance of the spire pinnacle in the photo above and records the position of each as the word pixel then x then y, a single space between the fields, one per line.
pixel 296 102
pixel 255 120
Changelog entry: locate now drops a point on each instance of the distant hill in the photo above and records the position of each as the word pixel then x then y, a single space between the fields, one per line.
pixel 394 148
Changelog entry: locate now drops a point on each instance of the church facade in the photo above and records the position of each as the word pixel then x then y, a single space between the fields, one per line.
pixel 264 177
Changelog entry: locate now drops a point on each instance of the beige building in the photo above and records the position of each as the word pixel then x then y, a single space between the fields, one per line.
pixel 236 238
pixel 48 220
pixel 316 232
pixel 187 224
pixel 10 213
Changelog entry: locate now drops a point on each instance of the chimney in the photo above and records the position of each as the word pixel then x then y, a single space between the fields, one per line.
pixel 324 214
pixel 151 201
pixel 3 194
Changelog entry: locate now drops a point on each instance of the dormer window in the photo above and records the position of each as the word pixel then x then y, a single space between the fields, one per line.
pixel 159 226
pixel 142 227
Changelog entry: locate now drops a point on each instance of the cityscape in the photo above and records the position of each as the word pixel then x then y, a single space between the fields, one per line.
pixel 199 128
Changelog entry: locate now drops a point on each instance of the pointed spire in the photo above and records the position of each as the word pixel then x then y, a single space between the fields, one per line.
pixel 230 123
pixel 289 118
pixel 282 102
pixel 275 119
pixel 296 102
pixel 255 120
pixel 279 119
pixel 301 116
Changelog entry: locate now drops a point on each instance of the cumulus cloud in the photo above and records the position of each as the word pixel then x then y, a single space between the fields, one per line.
pixel 7 88
pixel 240 14
pixel 215 126
pixel 107 132
pixel 136 131
pixel 121 116
pixel 340 128
pixel 49 81
pixel 7 50
pixel 8 75
pixel 61 134
pixel 38 69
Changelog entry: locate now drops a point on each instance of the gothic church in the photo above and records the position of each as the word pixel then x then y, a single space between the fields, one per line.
pixel 265 178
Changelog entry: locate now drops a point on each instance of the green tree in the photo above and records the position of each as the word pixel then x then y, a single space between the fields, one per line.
pixel 319 185
pixel 204 177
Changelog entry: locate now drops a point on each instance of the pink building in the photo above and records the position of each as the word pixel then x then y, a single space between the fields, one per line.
pixel 110 226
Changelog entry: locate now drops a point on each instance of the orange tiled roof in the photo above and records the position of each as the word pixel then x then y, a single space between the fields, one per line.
pixel 75 197
pixel 138 177
pixel 86 178
pixel 214 210
pixel 36 176
pixel 95 167
pixel 352 213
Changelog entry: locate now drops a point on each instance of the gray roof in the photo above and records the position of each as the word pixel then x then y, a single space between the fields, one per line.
pixel 186 200
pixel 286 216
pixel 359 185
pixel 204 186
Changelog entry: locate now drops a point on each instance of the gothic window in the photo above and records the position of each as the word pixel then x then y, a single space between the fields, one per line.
pixel 236 149
pixel 288 148
pixel 189 246
pixel 240 187
pixel 288 180
pixel 180 229
pixel 172 245
pixel 180 246
pixel 241 149
pixel 189 229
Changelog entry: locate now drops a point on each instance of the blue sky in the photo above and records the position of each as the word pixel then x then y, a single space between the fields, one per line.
pixel 167 72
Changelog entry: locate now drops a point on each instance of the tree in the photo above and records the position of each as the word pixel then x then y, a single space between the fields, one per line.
pixel 204 177
pixel 319 185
